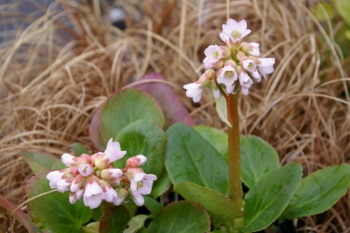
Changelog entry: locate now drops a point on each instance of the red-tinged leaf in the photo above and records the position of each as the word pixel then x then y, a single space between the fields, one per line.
pixel 115 220
pixel 18 214
pixel 174 110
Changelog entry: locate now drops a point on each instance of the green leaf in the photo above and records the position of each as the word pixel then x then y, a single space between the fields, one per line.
pixel 142 230
pixel 181 217
pixel 143 137
pixel 136 223
pixel 161 185
pixel 189 157
pixel 319 191
pixel 125 107
pixel 53 212
pixel 221 108
pixel 270 196
pixel 78 149
pixel 343 7
pixel 152 205
pixel 217 138
pixel 222 210
pixel 40 163
pixel 257 159
pixel 92 227
pixel 114 220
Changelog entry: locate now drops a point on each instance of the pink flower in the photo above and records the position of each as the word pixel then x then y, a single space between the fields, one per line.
pixel 251 48
pixel 140 183
pixel 234 31
pixel 110 194
pixel 93 194
pixel 136 161
pixel 111 154
pixel 111 174
pixel 194 90
pixel 144 187
pixel 266 66
pixel 214 53
pixel 64 185
pixel 85 169
pixel 248 65
pixel 54 177
pixel 256 75
pixel 68 160
pixel 61 180
pixel 227 75
pixel 245 82
pixel 76 183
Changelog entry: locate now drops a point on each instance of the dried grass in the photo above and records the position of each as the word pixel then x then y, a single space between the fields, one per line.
pixel 54 73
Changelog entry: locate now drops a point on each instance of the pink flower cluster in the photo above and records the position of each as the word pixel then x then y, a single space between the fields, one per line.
pixel 94 179
pixel 231 68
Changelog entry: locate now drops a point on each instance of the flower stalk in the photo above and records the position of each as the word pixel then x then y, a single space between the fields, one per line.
pixel 234 157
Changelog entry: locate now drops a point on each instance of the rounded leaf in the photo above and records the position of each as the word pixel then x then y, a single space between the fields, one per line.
pixel 181 217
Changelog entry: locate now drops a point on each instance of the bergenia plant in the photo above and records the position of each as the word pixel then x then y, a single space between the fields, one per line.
pixel 188 178
pixel 94 179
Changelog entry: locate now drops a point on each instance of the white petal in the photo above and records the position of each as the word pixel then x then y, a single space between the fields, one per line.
pixel 63 185
pixel 93 201
pixel 142 158
pixel 92 188
pixel 68 159
pixel 139 200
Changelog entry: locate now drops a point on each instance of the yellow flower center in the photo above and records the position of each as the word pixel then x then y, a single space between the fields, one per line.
pixel 235 34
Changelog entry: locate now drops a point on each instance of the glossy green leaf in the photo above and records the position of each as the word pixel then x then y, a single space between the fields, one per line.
pixel 319 191
pixel 78 149
pixel 135 223
pixel 343 7
pixel 152 205
pixel 125 107
pixel 53 212
pixel 161 185
pixel 181 217
pixel 217 138
pixel 189 157
pixel 221 209
pixel 265 202
pixel 143 137
pixel 40 163
pixel 114 220
pixel 257 159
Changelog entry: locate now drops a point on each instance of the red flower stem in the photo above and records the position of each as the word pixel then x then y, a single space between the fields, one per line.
pixel 234 158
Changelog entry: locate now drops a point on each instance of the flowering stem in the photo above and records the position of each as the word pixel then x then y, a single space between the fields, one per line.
pixel 234 159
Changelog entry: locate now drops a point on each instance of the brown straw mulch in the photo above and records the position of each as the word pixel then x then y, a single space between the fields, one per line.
pixel 59 64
